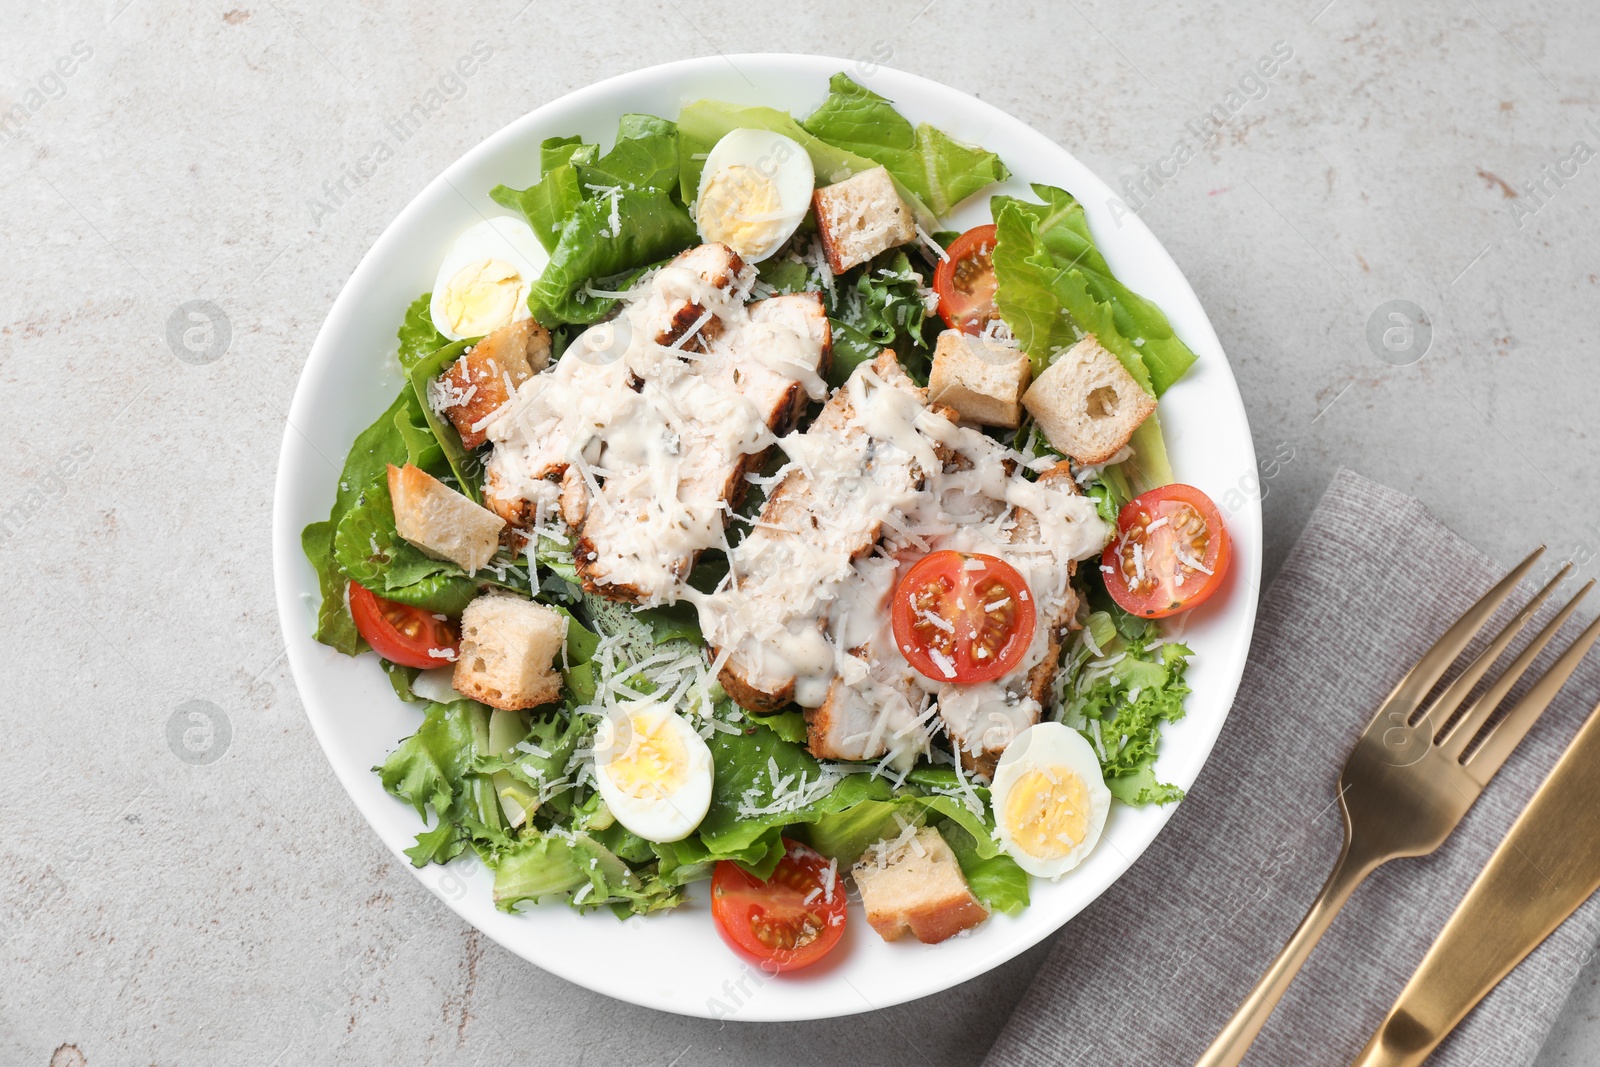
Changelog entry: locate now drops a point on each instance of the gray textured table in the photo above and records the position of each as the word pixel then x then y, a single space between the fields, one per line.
pixel 238 911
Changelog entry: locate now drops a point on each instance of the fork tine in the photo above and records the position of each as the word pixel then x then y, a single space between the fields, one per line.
pixel 1443 708
pixel 1486 759
pixel 1408 693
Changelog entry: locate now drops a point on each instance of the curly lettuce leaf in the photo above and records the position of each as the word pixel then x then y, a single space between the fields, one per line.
pixel 1120 709
pixel 882 308
pixel 417 334
pixel 1046 262
pixel 433 768
pixel 932 164
pixel 604 243
pixel 545 865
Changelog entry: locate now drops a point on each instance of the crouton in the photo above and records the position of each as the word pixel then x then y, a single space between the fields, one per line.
pixel 917 887
pixel 982 380
pixel 509 649
pixel 1087 404
pixel 860 217
pixel 480 383
pixel 440 521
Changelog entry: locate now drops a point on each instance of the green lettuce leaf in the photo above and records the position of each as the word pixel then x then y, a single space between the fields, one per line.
pixel 645 156
pixel 882 308
pixel 369 551
pixel 430 768
pixel 544 865
pixel 417 334
pixel 335 627
pixel 933 165
pixel 366 464
pixel 1121 711
pixel 1045 260
pixel 743 788
pixel 548 203
pixel 467 469
pixel 604 243
pixel 705 122
pixel 995 878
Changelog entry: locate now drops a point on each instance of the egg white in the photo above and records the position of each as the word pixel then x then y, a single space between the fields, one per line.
pixel 654 810
pixel 1054 751
pixel 502 240
pixel 754 191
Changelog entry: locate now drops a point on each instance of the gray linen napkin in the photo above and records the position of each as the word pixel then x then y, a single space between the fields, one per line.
pixel 1152 970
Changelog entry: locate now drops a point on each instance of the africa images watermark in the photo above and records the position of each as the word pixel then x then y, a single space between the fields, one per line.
pixel 450 85
pixel 51 85
pixel 1538 192
pixel 1251 86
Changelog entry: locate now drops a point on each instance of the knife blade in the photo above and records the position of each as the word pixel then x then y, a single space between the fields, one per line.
pixel 1548 864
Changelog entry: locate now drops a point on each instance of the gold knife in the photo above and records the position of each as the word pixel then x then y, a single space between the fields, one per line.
pixel 1548 865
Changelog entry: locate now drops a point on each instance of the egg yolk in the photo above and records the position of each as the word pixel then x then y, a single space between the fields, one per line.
pixel 1048 812
pixel 737 208
pixel 654 762
pixel 482 297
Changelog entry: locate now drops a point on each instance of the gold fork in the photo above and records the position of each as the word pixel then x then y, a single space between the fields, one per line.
pixel 1415 771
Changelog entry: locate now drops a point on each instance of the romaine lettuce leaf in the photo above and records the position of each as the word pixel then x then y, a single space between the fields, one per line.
pixel 367 463
pixel 466 468
pixel 550 201
pixel 645 156
pixel 368 550
pixel 604 242
pixel 750 766
pixel 335 627
pixel 1045 261
pixel 932 164
pixel 433 768
pixel 995 878
pixel 705 122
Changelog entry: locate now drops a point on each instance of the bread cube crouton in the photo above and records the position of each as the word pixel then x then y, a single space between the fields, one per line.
pixel 480 383
pixel 440 521
pixel 1087 404
pixel 918 889
pixel 509 650
pixel 982 380
pixel 860 217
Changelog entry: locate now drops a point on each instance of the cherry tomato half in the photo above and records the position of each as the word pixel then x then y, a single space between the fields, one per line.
pixel 962 618
pixel 791 920
pixel 1170 553
pixel 965 281
pixel 401 633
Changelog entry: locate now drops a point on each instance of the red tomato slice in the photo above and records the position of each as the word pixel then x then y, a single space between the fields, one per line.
pixel 965 281
pixel 791 920
pixel 401 633
pixel 962 618
pixel 1170 553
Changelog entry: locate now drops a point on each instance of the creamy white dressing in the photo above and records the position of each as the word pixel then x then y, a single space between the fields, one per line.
pixel 811 603
pixel 648 438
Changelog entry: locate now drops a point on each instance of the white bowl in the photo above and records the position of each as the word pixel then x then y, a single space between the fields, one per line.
pixel 676 962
